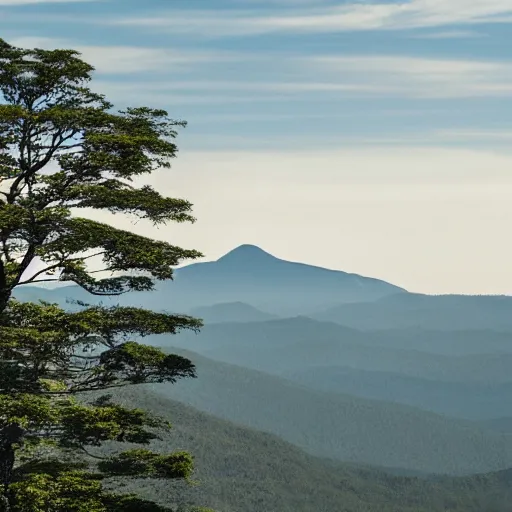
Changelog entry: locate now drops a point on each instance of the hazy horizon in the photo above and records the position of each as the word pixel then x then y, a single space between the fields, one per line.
pixel 372 138
pixel 206 260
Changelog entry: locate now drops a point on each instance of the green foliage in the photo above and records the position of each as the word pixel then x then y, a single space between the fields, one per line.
pixel 63 150
pixel 199 509
pixel 131 503
pixel 146 463
pixel 98 154
pixel 92 425
pixel 74 491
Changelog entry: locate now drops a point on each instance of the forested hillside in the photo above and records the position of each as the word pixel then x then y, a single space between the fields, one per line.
pixel 242 470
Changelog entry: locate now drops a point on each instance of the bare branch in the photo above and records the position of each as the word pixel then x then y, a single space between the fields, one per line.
pixel 91 455
pixel 57 266
pixel 39 281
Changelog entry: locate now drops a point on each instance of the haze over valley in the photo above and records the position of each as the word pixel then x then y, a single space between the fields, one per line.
pixel 374 375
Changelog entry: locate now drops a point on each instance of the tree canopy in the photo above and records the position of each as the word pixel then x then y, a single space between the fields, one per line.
pixel 63 151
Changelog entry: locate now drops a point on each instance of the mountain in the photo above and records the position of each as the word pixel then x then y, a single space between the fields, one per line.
pixel 468 400
pixel 230 312
pixel 328 357
pixel 340 426
pixel 450 343
pixel 441 312
pixel 250 275
pixel 239 468
pixel 296 344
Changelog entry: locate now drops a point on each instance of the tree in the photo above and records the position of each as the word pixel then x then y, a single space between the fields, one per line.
pixel 63 150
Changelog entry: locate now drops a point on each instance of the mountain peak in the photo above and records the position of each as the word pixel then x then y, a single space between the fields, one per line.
pixel 246 252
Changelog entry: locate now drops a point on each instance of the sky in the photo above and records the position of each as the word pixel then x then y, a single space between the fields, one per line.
pixel 373 137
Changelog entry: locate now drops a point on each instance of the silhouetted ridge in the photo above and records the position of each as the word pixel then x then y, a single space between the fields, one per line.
pixel 231 312
pixel 246 253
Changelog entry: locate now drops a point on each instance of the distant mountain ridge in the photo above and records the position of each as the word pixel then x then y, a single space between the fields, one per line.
pixel 460 374
pixel 231 312
pixel 246 274
pixel 415 310
pixel 249 274
pixel 289 344
pixel 468 400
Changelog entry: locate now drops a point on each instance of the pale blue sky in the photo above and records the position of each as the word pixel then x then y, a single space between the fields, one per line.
pixel 372 137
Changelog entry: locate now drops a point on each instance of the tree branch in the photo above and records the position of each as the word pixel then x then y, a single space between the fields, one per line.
pixel 57 266
pixel 91 455
pixel 39 281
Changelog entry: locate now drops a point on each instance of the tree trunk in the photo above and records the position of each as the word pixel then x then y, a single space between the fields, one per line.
pixel 9 436
pixel 4 504
pixel 6 449
pixel 5 295
pixel 5 292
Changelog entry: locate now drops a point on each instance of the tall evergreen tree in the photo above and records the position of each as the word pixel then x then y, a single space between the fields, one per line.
pixel 63 149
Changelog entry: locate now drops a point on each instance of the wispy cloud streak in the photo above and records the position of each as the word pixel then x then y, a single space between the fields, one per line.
pixel 450 34
pixel 129 59
pixel 316 19
pixel 180 74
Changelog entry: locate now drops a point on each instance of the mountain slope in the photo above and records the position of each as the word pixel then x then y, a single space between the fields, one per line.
pixel 241 469
pixel 230 312
pixel 473 401
pixel 251 275
pixel 63 296
pixel 341 426
pixel 457 343
pixel 333 358
pixel 501 424
pixel 443 312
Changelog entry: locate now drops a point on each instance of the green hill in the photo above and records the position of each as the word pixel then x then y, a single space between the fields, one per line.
pixel 243 470
pixel 474 401
pixel 341 426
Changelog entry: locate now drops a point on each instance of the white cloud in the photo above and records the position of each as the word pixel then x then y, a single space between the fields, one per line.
pixel 283 78
pixel 347 17
pixel 418 67
pixel 242 86
pixel 126 59
pixel 450 34
pixel 474 135
pixel 420 77
pixel 333 77
pixel 165 95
